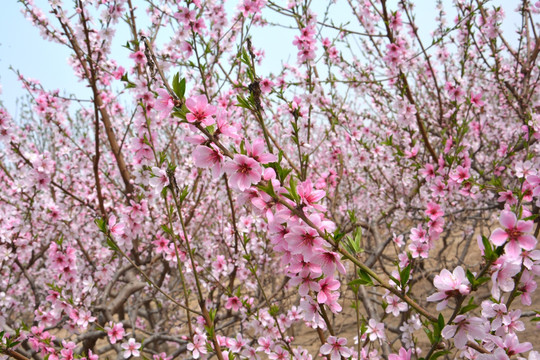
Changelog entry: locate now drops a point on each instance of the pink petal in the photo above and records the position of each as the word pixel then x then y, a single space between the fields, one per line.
pixel 437 297
pixel 512 249
pixel 325 349
pixel 498 236
pixel 448 331
pixel 521 348
pixel 321 298
pixel 243 182
pixel 527 242
pixel 525 226
pixel 460 339
pixel 230 167
pixel 508 219
pixel 202 156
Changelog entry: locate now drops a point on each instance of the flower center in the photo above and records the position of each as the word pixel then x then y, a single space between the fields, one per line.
pixel 513 233
pixel 244 168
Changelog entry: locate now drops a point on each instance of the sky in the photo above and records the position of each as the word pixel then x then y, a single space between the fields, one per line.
pixel 23 49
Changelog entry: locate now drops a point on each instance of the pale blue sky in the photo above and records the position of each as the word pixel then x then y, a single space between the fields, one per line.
pixel 22 47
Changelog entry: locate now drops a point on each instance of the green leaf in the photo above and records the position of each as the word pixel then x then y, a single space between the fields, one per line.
pixel 182 88
pixel 440 321
pixel 532 217
pixel 60 240
pixel 184 194
pixel 101 224
pixel 338 236
pixel 488 249
pixel 352 216
pixel 179 86
pixel 212 314
pixel 164 191
pixel 242 102
pixel 354 245
pixel 364 279
pixel 269 189
pixel 274 310
pixel 471 277
pixel 482 280
pixel 292 190
pixel 404 275
pixel 470 306
pixel 111 244
pixel 439 354
pixel 176 83
pixel 166 230
pixel 429 334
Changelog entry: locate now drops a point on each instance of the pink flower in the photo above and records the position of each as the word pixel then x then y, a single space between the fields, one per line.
pixel 165 102
pixel 460 174
pixel 428 172
pixel 243 172
pixel 508 197
pixel 303 240
pixel 418 233
pixel 115 228
pixel 198 346
pixel 464 329
pixel 327 285
pixel 419 249
pixel 434 211
pixel 307 282
pixel 266 344
pixel 335 347
pixel 503 270
pixel 329 261
pixel 310 311
pixel 476 99
pixel 131 348
pixel 511 345
pixel 138 57
pixel 279 354
pixel 256 151
pixel 514 234
pixel 115 333
pixel 449 285
pixel 160 179
pixel 375 330
pixel 527 286
pixel 200 110
pixel 161 356
pixel 266 85
pixel 454 91
pixel 309 196
pixel 91 356
pixel 403 355
pixel 117 74
pixel 238 343
pixel 161 244
pixel 233 303
pixel 224 127
pixel 398 240
pixel 186 48
pixel 208 157
pixel 85 317
pixel 395 305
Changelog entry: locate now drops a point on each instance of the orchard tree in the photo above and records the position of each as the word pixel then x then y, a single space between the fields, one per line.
pixel 375 198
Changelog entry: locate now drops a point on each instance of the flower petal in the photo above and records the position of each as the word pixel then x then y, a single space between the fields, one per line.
pixel 508 219
pixel 498 236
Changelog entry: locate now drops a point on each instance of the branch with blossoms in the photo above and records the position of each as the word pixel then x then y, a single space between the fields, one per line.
pixel 196 205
